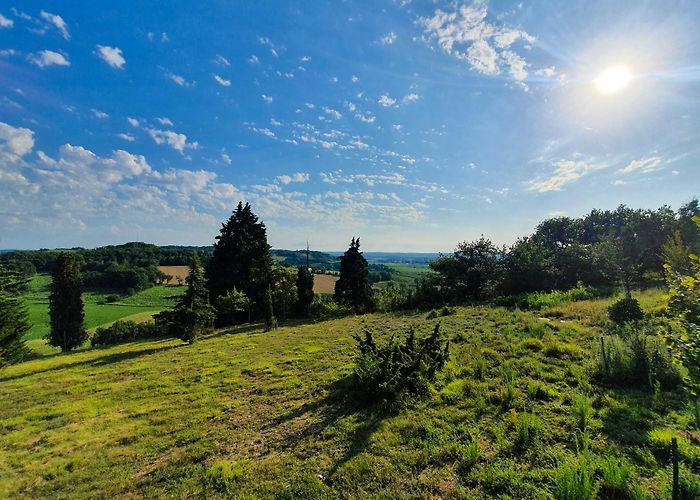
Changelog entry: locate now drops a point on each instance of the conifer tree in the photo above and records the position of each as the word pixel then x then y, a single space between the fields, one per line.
pixel 354 288
pixel 66 304
pixel 241 258
pixel 305 290
pixel 14 318
pixel 192 313
pixel 269 311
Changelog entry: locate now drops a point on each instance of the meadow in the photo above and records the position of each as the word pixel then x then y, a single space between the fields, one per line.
pixel 102 308
pixel 242 413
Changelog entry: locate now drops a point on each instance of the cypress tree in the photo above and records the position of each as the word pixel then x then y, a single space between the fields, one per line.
pixel 305 290
pixel 14 318
pixel 354 288
pixel 66 304
pixel 269 311
pixel 192 313
pixel 241 258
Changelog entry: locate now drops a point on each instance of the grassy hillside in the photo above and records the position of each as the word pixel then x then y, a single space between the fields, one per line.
pixel 137 307
pixel 246 413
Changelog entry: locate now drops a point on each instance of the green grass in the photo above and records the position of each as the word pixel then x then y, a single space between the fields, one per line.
pixel 97 311
pixel 268 415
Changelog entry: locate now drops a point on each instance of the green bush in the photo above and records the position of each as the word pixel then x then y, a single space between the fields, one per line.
pixel 479 368
pixel 323 306
pixel 399 372
pixel 528 429
pixel 625 310
pixel 124 331
pixel 617 479
pixel 574 480
pixel 582 408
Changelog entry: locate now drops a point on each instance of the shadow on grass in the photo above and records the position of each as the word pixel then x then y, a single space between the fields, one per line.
pixel 341 402
pixel 100 361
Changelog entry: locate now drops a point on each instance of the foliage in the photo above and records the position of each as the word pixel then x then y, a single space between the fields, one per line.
pixel 574 480
pixel 284 290
pixel 124 331
pixel 399 372
pixel 192 314
pixel 684 304
pixel 617 479
pixel 625 310
pixel 14 317
pixel 241 259
pixel 582 408
pixel 233 304
pixel 354 288
pixel 269 311
pixel 528 429
pixel 540 300
pixel 304 290
pixel 392 298
pixel 66 304
pixel 324 307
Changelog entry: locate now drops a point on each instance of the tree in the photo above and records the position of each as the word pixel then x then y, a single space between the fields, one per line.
pixel 354 288
pixel 192 314
pixel 66 304
pixel 284 291
pixel 14 318
pixel 474 270
pixel 241 258
pixel 269 310
pixel 305 290
pixel 234 304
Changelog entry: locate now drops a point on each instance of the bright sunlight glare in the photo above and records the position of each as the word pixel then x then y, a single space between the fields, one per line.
pixel 613 79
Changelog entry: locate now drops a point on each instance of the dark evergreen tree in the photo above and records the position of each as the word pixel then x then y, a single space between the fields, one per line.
pixel 14 317
pixel 192 314
pixel 66 304
pixel 305 290
pixel 354 288
pixel 241 259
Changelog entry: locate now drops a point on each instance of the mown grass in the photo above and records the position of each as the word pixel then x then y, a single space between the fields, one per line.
pixel 250 414
pixel 97 311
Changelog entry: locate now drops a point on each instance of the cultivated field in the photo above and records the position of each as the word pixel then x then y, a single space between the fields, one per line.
pixel 250 414
pixel 178 273
pixel 324 283
pixel 98 312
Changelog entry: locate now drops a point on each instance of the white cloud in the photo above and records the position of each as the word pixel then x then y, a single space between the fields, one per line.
pixel 297 177
pixel 275 122
pixel 225 158
pixel 179 80
pixel 45 58
pixel 466 34
pixel 305 59
pixel 644 165
pixel 386 101
pixel 412 97
pixel 253 60
pixel 221 81
pixel 9 53
pixel 45 159
pixel 172 139
pixel 268 99
pixel 111 55
pixel 354 79
pixel 397 127
pixel 14 142
pixel 133 122
pixel 164 120
pixel 366 118
pixel 57 22
pixel 388 39
pixel 565 172
pixel 126 137
pixel 264 131
pixel 99 114
pixel 332 112
pixel 5 22
pixel 221 60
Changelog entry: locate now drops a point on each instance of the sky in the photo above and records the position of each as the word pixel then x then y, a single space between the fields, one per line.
pixel 414 125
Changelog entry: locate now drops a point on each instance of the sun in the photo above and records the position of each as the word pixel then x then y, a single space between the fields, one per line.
pixel 613 79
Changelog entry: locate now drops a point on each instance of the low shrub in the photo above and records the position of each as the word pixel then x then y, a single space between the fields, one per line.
pixel 556 349
pixel 399 372
pixel 625 310
pixel 574 480
pixel 617 479
pixel 541 300
pixel 124 331
pixel 323 306
pixel 528 429
pixel 224 476
pixel 532 344
pixel 110 299
pixel 582 409
pixel 479 368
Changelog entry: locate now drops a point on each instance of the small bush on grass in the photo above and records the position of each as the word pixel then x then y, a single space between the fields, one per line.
pixel 124 331
pixel 479 368
pixel 532 344
pixel 528 429
pixel 399 371
pixel 573 480
pixel 617 479
pixel 625 311
pixel 224 476
pixel 582 408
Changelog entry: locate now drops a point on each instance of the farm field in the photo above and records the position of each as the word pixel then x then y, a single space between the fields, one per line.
pixel 250 414
pixel 324 283
pixel 138 307
pixel 178 273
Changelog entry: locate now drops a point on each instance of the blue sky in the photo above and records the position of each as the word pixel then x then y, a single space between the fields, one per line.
pixel 412 124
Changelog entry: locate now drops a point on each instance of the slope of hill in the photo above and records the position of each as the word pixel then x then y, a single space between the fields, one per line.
pixel 243 412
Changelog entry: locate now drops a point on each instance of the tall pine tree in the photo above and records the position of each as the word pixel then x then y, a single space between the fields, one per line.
pixel 14 318
pixel 241 259
pixel 354 288
pixel 192 314
pixel 66 304
pixel 305 290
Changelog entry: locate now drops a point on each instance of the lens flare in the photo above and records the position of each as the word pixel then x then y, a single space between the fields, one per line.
pixel 613 79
